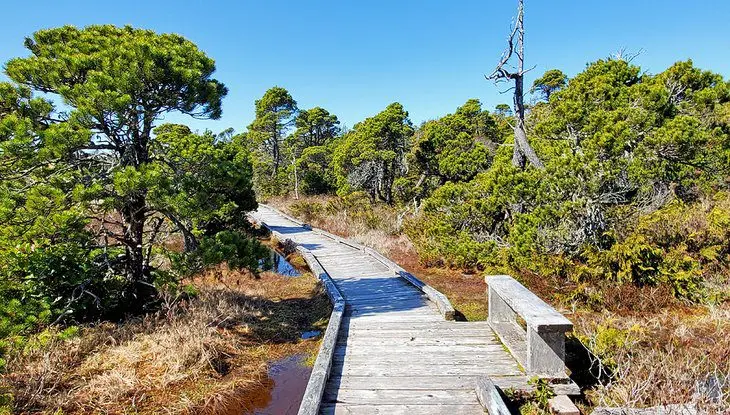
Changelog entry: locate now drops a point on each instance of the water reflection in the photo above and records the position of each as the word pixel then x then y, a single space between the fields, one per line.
pixel 310 334
pixel 278 264
pixel 289 377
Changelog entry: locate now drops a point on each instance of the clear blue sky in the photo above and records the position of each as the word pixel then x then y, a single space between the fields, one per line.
pixel 355 57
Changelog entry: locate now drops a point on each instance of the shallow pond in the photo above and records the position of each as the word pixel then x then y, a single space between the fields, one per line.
pixel 277 263
pixel 289 377
pixel 312 334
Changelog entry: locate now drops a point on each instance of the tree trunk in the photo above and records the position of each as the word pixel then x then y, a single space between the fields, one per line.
pixel 275 151
pixel 134 217
pixel 189 239
pixel 523 151
pixel 133 211
pixel 296 179
pixel 521 143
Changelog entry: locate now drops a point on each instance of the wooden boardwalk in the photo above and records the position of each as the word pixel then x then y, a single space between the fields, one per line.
pixel 395 354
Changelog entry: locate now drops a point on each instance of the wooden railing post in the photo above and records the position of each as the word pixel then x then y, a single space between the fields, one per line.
pixel 499 310
pixel 540 348
pixel 546 353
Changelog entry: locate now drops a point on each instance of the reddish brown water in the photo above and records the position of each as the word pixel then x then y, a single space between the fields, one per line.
pixel 283 394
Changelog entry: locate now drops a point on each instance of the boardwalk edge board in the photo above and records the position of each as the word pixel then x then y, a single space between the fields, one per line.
pixel 437 297
pixel 314 393
pixel 490 397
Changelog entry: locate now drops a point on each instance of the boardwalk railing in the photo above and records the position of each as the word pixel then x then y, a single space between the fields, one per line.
pixel 540 348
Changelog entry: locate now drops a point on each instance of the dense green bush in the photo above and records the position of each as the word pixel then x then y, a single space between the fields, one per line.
pixel 627 157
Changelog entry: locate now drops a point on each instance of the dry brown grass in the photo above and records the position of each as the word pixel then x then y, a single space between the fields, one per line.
pixel 202 355
pixel 354 217
pixel 660 359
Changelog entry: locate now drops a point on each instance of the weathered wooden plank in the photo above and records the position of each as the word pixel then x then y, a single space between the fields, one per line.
pixel 403 382
pixel 377 293
pixel 544 339
pixel 430 350
pixel 427 351
pixel 371 283
pixel 365 301
pixel 396 316
pixel 428 333
pixel 345 263
pixel 314 392
pixel 384 318
pixel 432 340
pixel 406 295
pixel 443 303
pixel 502 369
pixel 361 273
pixel 459 359
pixel 490 397
pixel 401 396
pixel 519 382
pixel 416 309
pixel 514 338
pixel 398 325
pixel 362 289
pixel 482 360
pixel 348 409
pixel 359 355
pixel 312 399
pixel 371 308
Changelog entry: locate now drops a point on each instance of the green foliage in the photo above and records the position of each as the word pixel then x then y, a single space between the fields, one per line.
pixel 307 211
pixel 681 245
pixel 315 127
pixel 204 182
pixel 454 148
pixel 6 400
pixel 372 155
pixel 549 82
pixel 285 161
pixel 314 169
pixel 275 115
pixel 543 392
pixel 618 147
pixel 503 110
pixel 237 249
pixel 607 342
pixel 108 70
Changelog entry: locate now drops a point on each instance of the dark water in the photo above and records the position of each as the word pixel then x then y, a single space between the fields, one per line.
pixel 278 264
pixel 289 377
pixel 313 334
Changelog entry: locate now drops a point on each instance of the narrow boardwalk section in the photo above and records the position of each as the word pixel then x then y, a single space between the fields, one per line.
pixel 395 353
